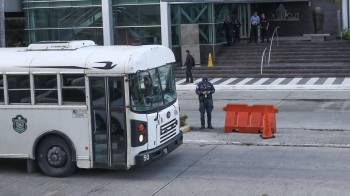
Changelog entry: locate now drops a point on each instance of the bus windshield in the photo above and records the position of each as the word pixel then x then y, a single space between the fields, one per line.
pixel 153 89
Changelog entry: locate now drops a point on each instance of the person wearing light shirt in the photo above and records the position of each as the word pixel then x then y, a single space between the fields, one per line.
pixel 254 23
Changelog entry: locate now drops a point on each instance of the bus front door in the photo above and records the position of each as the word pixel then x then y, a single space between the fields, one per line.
pixel 108 122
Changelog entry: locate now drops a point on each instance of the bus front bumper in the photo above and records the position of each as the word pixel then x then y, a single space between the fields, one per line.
pixel 148 156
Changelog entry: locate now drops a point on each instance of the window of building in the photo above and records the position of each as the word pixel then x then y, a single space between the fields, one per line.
pixel 45 89
pixel 18 89
pixel 2 99
pixel 73 89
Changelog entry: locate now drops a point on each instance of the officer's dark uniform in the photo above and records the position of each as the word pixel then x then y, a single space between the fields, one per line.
pixel 205 100
pixel 189 65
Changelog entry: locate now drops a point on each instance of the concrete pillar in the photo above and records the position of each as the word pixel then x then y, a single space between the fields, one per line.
pixel 165 20
pixel 107 17
pixel 348 12
pixel 2 24
pixel 345 14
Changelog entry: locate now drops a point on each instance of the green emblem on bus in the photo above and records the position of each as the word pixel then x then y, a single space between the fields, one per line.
pixel 19 124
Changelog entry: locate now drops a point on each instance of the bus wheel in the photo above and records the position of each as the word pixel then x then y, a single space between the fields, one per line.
pixel 55 157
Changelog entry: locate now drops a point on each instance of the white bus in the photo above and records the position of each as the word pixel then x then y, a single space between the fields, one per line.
pixel 68 105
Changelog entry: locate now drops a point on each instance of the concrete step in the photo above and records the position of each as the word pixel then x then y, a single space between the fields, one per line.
pixel 277 50
pixel 284 56
pixel 295 60
pixel 245 59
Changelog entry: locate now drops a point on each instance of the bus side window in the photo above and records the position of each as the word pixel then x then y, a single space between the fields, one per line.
pixel 2 99
pixel 73 89
pixel 18 89
pixel 45 89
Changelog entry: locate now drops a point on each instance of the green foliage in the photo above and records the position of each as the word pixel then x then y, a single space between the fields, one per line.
pixel 346 34
pixel 183 119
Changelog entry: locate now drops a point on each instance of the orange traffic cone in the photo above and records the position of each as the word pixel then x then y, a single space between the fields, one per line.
pixel 267 131
pixel 210 61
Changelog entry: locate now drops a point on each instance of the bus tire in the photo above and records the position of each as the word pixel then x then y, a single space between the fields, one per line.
pixel 54 157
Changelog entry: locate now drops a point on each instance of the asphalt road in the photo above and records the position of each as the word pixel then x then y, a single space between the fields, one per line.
pixel 208 170
pixel 200 170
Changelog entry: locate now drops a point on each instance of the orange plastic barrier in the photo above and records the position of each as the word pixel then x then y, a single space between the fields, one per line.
pixel 244 118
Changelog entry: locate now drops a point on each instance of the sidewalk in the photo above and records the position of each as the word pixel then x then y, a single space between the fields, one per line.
pixel 330 83
pixel 283 137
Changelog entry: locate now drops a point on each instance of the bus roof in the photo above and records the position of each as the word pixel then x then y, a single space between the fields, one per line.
pixel 83 56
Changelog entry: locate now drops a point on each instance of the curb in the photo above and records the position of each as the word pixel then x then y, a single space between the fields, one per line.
pixel 185 129
pixel 206 142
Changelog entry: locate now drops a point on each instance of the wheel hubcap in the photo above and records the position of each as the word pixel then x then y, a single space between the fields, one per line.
pixel 56 156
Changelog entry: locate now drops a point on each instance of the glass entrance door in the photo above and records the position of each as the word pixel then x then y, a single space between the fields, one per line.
pixel 108 122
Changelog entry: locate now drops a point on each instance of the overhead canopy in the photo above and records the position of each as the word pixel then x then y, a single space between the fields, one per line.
pixel 233 1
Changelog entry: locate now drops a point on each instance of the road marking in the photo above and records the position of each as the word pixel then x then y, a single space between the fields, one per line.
pixel 329 81
pixel 315 83
pixel 261 81
pixel 198 80
pixel 253 81
pixel 338 81
pixel 312 81
pixel 228 81
pixel 303 81
pixel 238 80
pixel 180 81
pixel 243 82
pixel 269 81
pixel 346 81
pixel 321 81
pixel 219 81
pixel 294 81
pixel 278 81
pixel 214 80
pixel 286 81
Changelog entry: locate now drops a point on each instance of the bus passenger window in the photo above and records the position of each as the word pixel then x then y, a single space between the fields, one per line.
pixel 18 89
pixel 45 89
pixel 73 89
pixel 2 100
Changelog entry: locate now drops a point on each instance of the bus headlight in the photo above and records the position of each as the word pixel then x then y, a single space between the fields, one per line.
pixel 139 133
pixel 141 138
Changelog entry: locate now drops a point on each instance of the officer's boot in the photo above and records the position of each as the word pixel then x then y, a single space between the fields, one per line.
pixel 209 120
pixel 202 121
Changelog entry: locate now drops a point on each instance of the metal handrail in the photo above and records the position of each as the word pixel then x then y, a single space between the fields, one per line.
pixel 263 56
pixel 275 32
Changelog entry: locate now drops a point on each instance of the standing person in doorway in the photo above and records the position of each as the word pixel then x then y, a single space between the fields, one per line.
pixel 264 28
pixel 228 26
pixel 205 91
pixel 237 30
pixel 190 63
pixel 254 24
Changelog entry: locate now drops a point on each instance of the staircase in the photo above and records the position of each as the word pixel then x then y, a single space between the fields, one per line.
pixel 289 59
pixel 81 18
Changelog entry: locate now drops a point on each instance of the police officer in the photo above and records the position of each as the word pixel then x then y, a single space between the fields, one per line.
pixel 205 90
pixel 228 27
pixel 237 30
pixel 189 65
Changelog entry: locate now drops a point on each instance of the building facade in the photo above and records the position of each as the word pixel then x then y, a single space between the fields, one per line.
pixel 159 22
pixel 12 23
pixel 345 14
